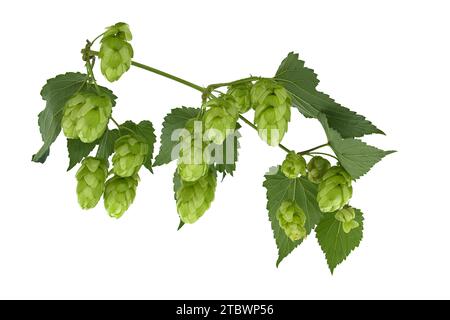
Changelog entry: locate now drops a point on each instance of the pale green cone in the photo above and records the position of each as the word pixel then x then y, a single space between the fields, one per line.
pixel 220 118
pixel 115 51
pixel 91 179
pixel 317 167
pixel 192 164
pixel 292 220
pixel 347 217
pixel 241 93
pixel 194 198
pixel 129 155
pixel 335 190
pixel 293 165
pixel 119 194
pixel 86 116
pixel 272 105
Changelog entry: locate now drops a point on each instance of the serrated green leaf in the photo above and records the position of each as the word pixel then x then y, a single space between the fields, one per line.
pixel 303 192
pixel 55 92
pixel 106 144
pixel 335 243
pixel 229 165
pixel 78 150
pixel 301 82
pixel 176 119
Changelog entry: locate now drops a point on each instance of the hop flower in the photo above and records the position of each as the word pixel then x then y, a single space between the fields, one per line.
pixel 272 105
pixel 220 119
pixel 292 220
pixel 335 190
pixel 241 93
pixel 317 167
pixel 347 217
pixel 91 179
pixel 86 116
pixel 119 194
pixel 194 198
pixel 192 164
pixel 293 165
pixel 115 52
pixel 129 155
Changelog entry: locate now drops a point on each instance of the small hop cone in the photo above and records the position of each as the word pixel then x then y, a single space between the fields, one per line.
pixel 220 118
pixel 91 179
pixel 293 165
pixel 194 198
pixel 292 220
pixel 86 116
pixel 272 105
pixel 192 164
pixel 129 156
pixel 119 194
pixel 335 190
pixel 317 167
pixel 347 217
pixel 115 51
pixel 241 93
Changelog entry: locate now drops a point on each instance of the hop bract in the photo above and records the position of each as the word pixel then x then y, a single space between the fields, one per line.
pixel 293 165
pixel 220 118
pixel 292 220
pixel 119 194
pixel 241 93
pixel 272 105
pixel 194 198
pixel 335 190
pixel 115 51
pixel 86 116
pixel 317 167
pixel 347 217
pixel 192 165
pixel 91 179
pixel 129 155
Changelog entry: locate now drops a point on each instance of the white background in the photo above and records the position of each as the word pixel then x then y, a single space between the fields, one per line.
pixel 388 60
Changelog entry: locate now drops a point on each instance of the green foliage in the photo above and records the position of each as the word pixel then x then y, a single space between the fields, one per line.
pixel 228 162
pixel 106 144
pixel 78 151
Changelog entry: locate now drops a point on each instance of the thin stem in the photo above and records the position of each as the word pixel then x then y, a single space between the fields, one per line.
pixel 214 86
pixel 312 149
pixel 115 122
pixel 323 154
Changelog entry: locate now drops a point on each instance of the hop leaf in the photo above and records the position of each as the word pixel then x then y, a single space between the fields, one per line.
pixel 91 179
pixel 317 167
pixel 292 220
pixel 293 165
pixel 220 118
pixel 241 93
pixel 272 105
pixel 129 156
pixel 119 194
pixel 335 190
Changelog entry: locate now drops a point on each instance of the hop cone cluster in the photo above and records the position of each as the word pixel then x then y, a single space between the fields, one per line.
pixel 241 93
pixel 347 217
pixel 91 179
pixel 119 194
pixel 130 154
pixel 220 118
pixel 293 165
pixel 86 116
pixel 115 51
pixel 335 190
pixel 317 167
pixel 272 105
pixel 194 198
pixel 292 220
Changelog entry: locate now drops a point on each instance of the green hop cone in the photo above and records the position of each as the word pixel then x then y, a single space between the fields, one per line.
pixel 272 105
pixel 192 164
pixel 129 155
pixel 293 165
pixel 194 198
pixel 86 116
pixel 91 179
pixel 347 217
pixel 220 118
pixel 335 190
pixel 115 51
pixel 292 220
pixel 119 194
pixel 317 167
pixel 241 93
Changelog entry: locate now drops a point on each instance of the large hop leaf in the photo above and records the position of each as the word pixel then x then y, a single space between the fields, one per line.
pixel 241 93
pixel 220 118
pixel 292 220
pixel 335 190
pixel 91 181
pixel 119 194
pixel 194 198
pixel 272 105
pixel 317 167
pixel 86 116
pixel 129 156
pixel 115 52
pixel 293 165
